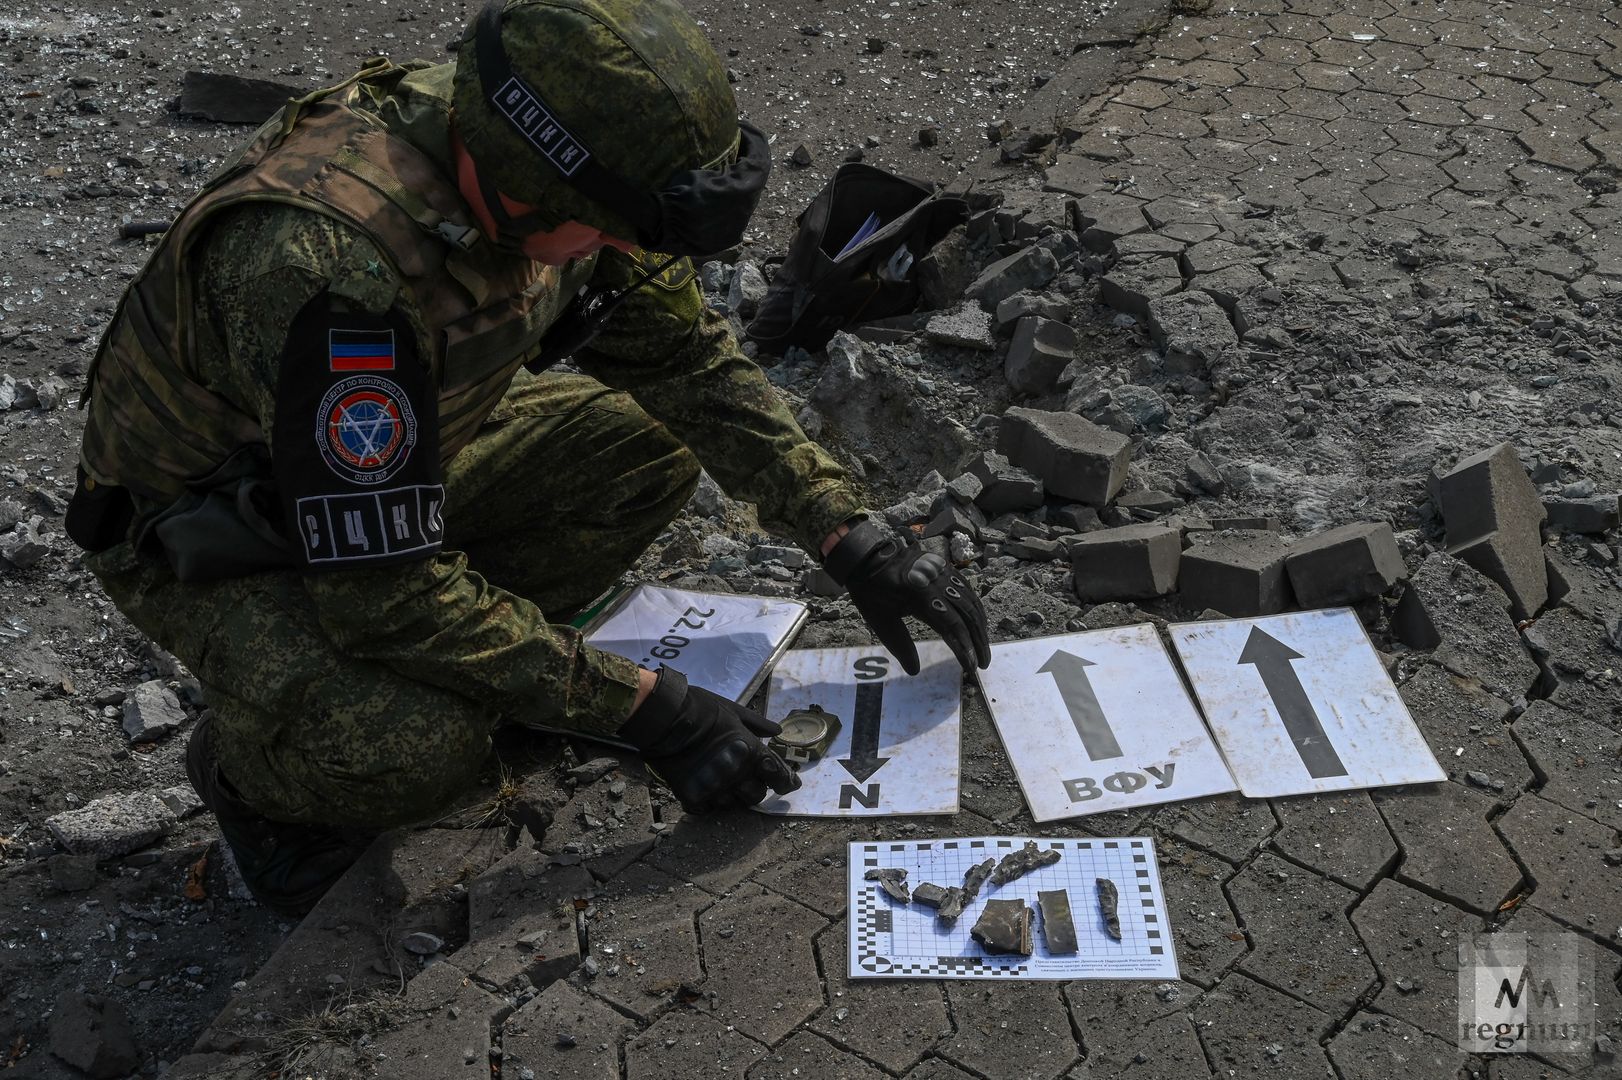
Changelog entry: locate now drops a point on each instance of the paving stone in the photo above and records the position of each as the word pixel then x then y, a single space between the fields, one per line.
pixel 893 1022
pixel 714 851
pixel 112 825
pixel 562 1034
pixel 608 823
pixel 1099 233
pixel 1464 618
pixel 947 270
pixel 1191 328
pixel 1208 938
pixel 1147 243
pixel 1577 759
pixel 1138 1030
pixel 92 1034
pixel 685 1043
pixel 522 925
pixel 1231 827
pixel 808 1057
pixel 1468 731
pixel 967 327
pixel 1133 284
pixel 1344 565
pixel 1447 845
pixel 1025 304
pixel 936 1069
pixel 1414 942
pixel 448 1039
pixel 639 927
pixel 1580 668
pixel 1075 458
pixel 1592 1059
pixel 757 950
pixel 808 864
pixel 1028 268
pixel 1375 1047
pixel 1010 1030
pixel 1132 562
pixel 1005 486
pixel 1595 514
pixel 1493 516
pixel 1227 285
pixel 152 711
pixel 1239 573
pixel 1250 1028
pixel 1340 835
pixel 1300 938
pixel 1041 350
pixel 1564 852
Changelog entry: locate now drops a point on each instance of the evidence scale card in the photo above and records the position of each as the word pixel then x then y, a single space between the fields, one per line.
pixel 1300 703
pixel 1099 721
pixel 896 750
pixel 1098 912
pixel 723 642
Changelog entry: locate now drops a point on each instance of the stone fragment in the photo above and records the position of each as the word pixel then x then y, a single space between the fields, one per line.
pixel 1578 759
pixel 1030 304
pixel 1075 517
pixel 151 712
pixel 93 1035
pixel 1240 574
pixel 1344 565
pixel 1016 864
pixel 1201 474
pixel 422 943
pixel 23 546
pixel 1493 517
pixel 1041 350
pixel 1028 268
pixel 947 270
pixel 966 327
pixel 1591 516
pixel 1004 486
pixel 113 825
pixel 747 290
pixel 893 880
pixel 232 99
pixel 1130 409
pixel 1004 928
pixel 72 873
pixel 1250 524
pixel 1075 458
pixel 1191 329
pixel 1133 562
pixel 1133 284
pixel 1464 617
pixel 182 800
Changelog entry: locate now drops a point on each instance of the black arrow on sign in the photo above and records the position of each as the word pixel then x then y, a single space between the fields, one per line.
pixel 864 758
pixel 1272 659
pixel 1070 673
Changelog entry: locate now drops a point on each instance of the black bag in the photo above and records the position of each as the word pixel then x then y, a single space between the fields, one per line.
pixel 822 287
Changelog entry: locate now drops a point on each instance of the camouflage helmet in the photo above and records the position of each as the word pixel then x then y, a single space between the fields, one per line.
pixel 634 80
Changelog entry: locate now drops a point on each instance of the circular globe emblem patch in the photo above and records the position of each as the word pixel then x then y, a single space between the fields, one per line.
pixel 366 429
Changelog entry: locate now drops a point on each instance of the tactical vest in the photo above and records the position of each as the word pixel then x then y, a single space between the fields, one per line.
pixel 152 426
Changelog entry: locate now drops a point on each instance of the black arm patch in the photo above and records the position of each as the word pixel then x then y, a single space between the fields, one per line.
pixel 355 450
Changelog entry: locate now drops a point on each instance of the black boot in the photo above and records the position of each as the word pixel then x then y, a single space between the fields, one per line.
pixel 286 867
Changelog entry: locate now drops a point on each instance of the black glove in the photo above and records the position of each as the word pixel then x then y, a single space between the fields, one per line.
pixel 888 580
pixel 706 748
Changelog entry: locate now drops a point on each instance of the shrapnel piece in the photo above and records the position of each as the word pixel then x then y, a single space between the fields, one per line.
pixel 930 895
pixel 956 900
pixel 1058 930
pixel 893 880
pixel 975 878
pixel 1004 927
pixel 1108 898
pixel 1016 864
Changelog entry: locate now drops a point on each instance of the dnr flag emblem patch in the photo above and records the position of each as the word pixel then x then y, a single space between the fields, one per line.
pixel 361 350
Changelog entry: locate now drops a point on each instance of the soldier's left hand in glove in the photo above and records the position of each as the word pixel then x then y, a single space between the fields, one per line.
pixel 889 579
pixel 708 749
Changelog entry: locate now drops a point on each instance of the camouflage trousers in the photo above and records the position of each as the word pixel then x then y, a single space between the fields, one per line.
pixel 564 486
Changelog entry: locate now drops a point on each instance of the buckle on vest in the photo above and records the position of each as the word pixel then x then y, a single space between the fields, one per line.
pixel 458 236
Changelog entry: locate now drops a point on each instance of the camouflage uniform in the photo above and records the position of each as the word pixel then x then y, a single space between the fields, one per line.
pixel 366 695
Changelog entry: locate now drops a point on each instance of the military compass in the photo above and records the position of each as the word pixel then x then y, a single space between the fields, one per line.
pixel 806 735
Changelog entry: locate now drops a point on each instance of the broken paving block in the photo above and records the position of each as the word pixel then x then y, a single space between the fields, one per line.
pixel 1133 562
pixel 930 895
pixel 1041 350
pixel 1464 616
pixel 893 880
pixel 1133 284
pixel 1240 574
pixel 1074 457
pixel 232 99
pixel 1004 485
pixel 947 270
pixel 1028 268
pixel 1191 329
pixel 1592 515
pixel 1344 565
pixel 1109 899
pixel 1016 864
pixel 1004 927
pixel 1058 927
pixel 113 825
pixel 1493 518
pixel 966 327
pixel 507 905
pixel 92 1034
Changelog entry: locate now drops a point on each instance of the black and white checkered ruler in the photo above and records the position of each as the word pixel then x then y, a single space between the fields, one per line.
pixel 892 940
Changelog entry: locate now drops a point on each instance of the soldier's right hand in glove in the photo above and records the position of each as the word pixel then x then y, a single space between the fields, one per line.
pixel 708 749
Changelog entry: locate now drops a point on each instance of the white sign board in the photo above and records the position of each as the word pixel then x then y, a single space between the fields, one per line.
pixel 893 940
pixel 897 747
pixel 1099 721
pixel 721 641
pixel 1300 703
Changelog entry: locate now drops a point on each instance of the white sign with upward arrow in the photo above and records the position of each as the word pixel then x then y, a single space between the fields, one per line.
pixel 897 747
pixel 1300 703
pixel 1099 721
